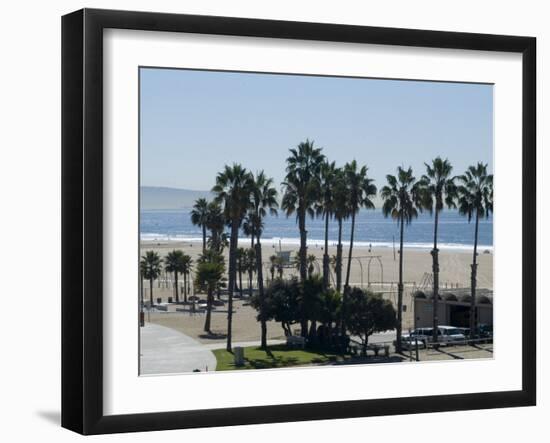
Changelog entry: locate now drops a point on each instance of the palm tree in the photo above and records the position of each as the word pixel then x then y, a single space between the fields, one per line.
pixel 151 267
pixel 199 217
pixel 475 199
pixel 233 190
pixel 401 199
pixel 174 263
pixel 301 186
pixel 187 262
pixel 208 277
pixel 264 200
pixel 325 208
pixel 360 192
pixel 437 187
pixel 250 266
pixel 341 213
pixel 241 264
pixel 248 228
pixel 215 223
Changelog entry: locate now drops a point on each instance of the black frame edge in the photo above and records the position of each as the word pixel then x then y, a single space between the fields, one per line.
pixel 529 220
pixel 72 221
pixel 82 359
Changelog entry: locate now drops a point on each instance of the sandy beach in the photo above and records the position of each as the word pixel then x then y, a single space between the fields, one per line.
pixel 454 270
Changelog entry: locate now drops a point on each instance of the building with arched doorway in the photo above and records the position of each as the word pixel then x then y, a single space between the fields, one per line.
pixel 453 307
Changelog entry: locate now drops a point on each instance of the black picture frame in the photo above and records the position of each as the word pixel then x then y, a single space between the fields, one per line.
pixel 82 218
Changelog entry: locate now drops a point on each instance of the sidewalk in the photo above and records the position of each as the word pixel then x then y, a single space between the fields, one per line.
pixel 167 351
pixel 221 344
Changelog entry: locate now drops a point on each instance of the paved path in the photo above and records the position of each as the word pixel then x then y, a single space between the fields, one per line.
pixel 167 351
pixel 222 344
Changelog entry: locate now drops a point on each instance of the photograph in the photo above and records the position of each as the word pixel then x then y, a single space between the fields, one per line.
pixel 290 221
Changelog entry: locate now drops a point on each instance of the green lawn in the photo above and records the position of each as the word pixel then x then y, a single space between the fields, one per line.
pixel 277 356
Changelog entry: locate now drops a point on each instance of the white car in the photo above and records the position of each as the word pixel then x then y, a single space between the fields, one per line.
pixel 447 335
pixel 450 334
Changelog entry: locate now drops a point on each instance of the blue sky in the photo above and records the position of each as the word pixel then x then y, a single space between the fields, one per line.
pixel 195 122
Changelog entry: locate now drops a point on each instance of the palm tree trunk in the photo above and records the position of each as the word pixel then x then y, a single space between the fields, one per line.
pixel 400 290
pixel 259 271
pixel 176 286
pixel 240 279
pixel 346 286
pixel 339 257
pixel 435 268
pixel 151 293
pixel 250 277
pixel 326 258
pixel 185 287
pixel 208 310
pixel 232 277
pixel 204 239
pixel 473 316
pixel 303 244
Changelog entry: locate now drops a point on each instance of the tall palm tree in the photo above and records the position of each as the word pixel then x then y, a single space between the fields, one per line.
pixel 301 190
pixel 187 265
pixel 151 267
pixel 250 267
pixel 401 200
pixel 264 201
pixel 215 223
pixel 341 213
pixel 233 190
pixel 361 190
pixel 475 200
pixel 438 189
pixel 208 277
pixel 241 265
pixel 248 228
pixel 199 217
pixel 174 262
pixel 325 208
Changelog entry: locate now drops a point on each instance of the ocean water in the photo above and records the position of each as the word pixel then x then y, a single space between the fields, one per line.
pixel 371 228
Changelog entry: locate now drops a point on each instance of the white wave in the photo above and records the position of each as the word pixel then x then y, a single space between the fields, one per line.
pixel 316 243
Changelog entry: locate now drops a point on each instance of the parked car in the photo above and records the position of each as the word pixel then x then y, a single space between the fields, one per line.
pixel 420 335
pixel 450 334
pixel 447 335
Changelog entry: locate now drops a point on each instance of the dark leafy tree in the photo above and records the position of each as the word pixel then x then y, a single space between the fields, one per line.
pixel 329 313
pixel 281 303
pixel 367 313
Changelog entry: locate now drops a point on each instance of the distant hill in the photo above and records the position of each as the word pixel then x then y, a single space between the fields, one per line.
pixel 153 197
